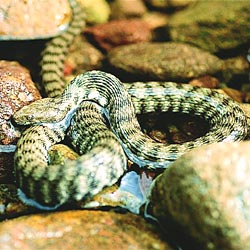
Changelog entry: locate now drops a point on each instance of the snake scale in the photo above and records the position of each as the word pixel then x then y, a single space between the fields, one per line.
pixel 90 104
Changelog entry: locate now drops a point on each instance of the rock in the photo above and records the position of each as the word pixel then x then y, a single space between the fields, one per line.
pixel 59 153
pixel 10 205
pixel 16 91
pixel 78 230
pixel 169 3
pixel 119 32
pixel 23 19
pixel 233 93
pixel 246 109
pixel 127 9
pixel 6 166
pixel 204 196
pixel 172 127
pixel 97 11
pixel 82 57
pixel 163 61
pixel 226 26
pixel 156 20
pixel 205 81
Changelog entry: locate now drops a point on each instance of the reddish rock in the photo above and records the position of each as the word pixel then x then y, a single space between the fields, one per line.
pixel 205 81
pixel 16 91
pixel 23 19
pixel 119 32
pixel 80 230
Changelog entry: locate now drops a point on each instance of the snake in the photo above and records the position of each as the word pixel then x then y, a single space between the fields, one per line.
pixel 97 112
pixel 54 54
pixel 50 118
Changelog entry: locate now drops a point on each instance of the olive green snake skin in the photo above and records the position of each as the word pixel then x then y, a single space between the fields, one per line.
pixel 84 111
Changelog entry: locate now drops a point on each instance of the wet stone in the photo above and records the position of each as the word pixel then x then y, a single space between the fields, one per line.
pixel 204 197
pixel 226 26
pixel 119 32
pixel 23 19
pixel 163 61
pixel 16 90
pixel 80 230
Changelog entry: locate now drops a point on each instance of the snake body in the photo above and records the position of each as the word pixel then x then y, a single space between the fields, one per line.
pixel 54 54
pixel 81 112
pixel 227 123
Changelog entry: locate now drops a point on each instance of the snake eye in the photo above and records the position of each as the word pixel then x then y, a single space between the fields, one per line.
pixel 30 117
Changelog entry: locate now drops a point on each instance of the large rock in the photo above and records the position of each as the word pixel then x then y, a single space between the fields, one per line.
pixel 212 25
pixel 163 61
pixel 16 90
pixel 23 19
pixel 80 230
pixel 205 195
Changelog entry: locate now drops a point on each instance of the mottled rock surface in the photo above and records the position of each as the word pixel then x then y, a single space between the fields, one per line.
pixel 16 90
pixel 163 61
pixel 205 195
pixel 225 27
pixel 119 32
pixel 23 19
pixel 80 230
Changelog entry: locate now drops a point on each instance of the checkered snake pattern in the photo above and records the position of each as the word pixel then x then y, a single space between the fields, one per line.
pixel 98 114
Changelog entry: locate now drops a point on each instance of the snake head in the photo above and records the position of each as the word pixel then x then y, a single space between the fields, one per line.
pixel 46 110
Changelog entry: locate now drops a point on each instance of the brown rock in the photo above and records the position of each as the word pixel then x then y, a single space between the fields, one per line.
pixel 233 93
pixel 16 91
pixel 119 32
pixel 127 8
pixel 10 204
pixel 172 127
pixel 156 19
pixel 6 166
pixel 205 81
pixel 23 19
pixel 170 3
pixel 80 230
pixel 204 196
pixel 246 109
pixel 214 26
pixel 82 57
pixel 163 61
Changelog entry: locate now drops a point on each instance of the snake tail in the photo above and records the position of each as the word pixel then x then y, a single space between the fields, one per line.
pixel 53 56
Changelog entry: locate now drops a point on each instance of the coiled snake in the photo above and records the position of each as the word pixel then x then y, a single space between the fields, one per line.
pixel 82 111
